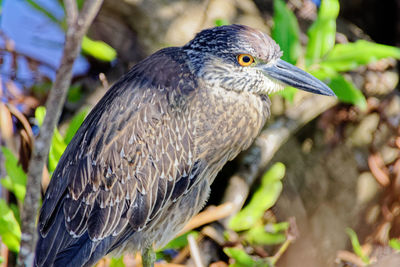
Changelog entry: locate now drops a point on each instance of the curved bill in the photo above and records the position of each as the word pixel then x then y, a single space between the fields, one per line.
pixel 293 76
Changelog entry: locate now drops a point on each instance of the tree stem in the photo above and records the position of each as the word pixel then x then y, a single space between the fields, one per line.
pixel 78 25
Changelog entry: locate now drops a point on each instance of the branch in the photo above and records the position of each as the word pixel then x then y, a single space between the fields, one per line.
pixel 267 144
pixel 77 28
pixel 71 10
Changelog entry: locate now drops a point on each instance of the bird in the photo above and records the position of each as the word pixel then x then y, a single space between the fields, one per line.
pixel 142 162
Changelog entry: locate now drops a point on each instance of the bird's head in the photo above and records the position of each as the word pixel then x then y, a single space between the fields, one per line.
pixel 240 58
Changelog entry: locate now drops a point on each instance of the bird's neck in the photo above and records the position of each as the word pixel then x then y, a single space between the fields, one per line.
pixel 227 122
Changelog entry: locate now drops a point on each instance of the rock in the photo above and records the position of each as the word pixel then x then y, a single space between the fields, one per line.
pixel 380 83
pixel 392 110
pixel 389 154
pixel 367 188
pixel 363 133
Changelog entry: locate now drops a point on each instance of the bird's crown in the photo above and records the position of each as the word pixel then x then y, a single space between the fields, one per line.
pixel 235 39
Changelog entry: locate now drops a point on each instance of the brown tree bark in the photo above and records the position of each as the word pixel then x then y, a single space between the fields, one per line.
pixel 78 24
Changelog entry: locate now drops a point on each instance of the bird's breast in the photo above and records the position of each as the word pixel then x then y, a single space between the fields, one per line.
pixel 227 122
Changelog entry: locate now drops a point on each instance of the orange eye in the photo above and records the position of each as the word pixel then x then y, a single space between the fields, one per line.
pixel 245 60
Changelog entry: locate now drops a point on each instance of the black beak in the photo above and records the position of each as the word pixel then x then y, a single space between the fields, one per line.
pixel 293 76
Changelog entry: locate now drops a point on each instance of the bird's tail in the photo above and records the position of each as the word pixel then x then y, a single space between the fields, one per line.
pixel 59 249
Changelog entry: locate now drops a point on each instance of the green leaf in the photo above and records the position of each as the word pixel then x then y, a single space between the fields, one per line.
pixel 275 173
pixel 98 49
pixel 117 262
pixel 41 89
pixel 260 236
pixel 1 15
pixel 276 227
pixel 15 181
pixel 40 113
pixel 345 57
pixel 242 259
pixel 7 183
pixel 288 93
pixel 10 231
pixel 74 93
pixel 264 198
pixel 57 146
pixel 347 92
pixel 321 34
pixel 323 73
pixel 15 210
pixel 181 241
pixel 286 32
pixel 395 243
pixel 240 256
pixel 80 3
pixel 74 125
pixel 221 22
pixel 356 245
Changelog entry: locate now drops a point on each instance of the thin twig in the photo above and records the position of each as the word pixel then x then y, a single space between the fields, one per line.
pixel 104 81
pixel 209 215
pixel 347 256
pixel 280 252
pixel 54 104
pixel 22 119
pixel 87 14
pixel 182 255
pixel 195 251
pixel 71 8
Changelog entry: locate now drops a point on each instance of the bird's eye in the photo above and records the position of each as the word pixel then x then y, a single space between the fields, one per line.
pixel 245 60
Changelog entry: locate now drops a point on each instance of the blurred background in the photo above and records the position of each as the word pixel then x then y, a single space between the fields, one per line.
pixel 320 186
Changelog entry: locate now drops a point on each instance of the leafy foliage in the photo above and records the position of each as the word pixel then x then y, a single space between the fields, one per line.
pixel 286 32
pixel 98 49
pixel 117 262
pixel 59 143
pixel 344 89
pixel 242 259
pixel 395 244
pixel 15 181
pixel 356 245
pixel 264 198
pixel 57 146
pixel 220 22
pixel 323 57
pixel 270 234
pixel 180 241
pixel 321 35
pixel 74 125
pixel 10 231
pixel 345 57
pixel 74 93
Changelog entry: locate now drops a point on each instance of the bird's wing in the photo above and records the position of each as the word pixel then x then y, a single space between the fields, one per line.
pixel 133 154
